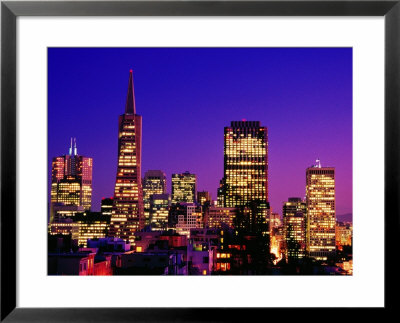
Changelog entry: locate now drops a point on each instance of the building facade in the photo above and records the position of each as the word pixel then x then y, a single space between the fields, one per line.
pixel 159 211
pixel 217 217
pixel 321 212
pixel 294 228
pixel 245 163
pixel 183 188
pixel 106 206
pixel 71 179
pixel 154 182
pixel 127 212
pixel 221 194
pixel 344 234
pixel 204 198
pixel 61 211
pixel 185 216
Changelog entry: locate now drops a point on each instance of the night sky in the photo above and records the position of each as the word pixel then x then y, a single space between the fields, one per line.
pixel 188 95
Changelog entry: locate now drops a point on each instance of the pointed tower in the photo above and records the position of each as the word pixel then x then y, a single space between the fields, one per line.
pixel 127 212
pixel 71 179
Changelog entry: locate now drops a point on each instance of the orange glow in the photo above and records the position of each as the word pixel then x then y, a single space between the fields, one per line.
pixel 275 249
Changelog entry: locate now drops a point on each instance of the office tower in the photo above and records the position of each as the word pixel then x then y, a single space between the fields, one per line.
pixel 159 210
pixel 217 217
pixel 69 191
pixel 204 197
pixel 127 213
pixel 71 179
pixel 154 182
pixel 221 194
pixel 184 188
pixel 106 206
pixel 92 225
pixel 245 163
pixel 321 216
pixel 294 225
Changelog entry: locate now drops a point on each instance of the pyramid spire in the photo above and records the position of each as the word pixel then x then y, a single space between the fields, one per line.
pixel 130 98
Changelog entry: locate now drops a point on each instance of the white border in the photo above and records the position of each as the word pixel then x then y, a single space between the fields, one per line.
pixel 364 288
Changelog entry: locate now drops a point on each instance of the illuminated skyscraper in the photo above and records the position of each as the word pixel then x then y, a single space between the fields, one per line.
pixel 154 182
pixel 245 164
pixel 159 211
pixel 184 188
pixel 294 226
pixel 321 215
pixel 127 213
pixel 92 225
pixel 69 191
pixel 71 179
pixel 221 194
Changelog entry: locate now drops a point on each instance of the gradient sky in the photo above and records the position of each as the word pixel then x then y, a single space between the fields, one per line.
pixel 188 95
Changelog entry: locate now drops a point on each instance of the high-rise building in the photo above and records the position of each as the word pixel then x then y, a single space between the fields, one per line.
pixel 127 213
pixel 154 182
pixel 106 206
pixel 71 179
pixel 218 217
pixel 221 194
pixel 159 210
pixel 245 163
pixel 69 191
pixel 92 225
pixel 204 197
pixel 184 188
pixel 321 215
pixel 294 226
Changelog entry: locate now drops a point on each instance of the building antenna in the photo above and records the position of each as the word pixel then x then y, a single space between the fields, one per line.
pixel 70 148
pixel 318 161
pixel 75 149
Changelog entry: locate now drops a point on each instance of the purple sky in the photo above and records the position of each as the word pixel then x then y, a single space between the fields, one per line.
pixel 188 95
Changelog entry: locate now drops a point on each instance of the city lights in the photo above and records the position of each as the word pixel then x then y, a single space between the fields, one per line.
pixel 162 225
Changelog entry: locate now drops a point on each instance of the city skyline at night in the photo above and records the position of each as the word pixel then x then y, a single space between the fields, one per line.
pixel 303 96
pixel 146 229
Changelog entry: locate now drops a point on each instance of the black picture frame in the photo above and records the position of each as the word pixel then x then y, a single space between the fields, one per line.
pixel 10 10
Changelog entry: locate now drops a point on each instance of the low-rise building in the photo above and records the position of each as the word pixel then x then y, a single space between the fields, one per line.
pixel 82 263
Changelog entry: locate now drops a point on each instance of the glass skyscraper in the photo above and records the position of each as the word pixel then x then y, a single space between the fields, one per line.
pixel 294 227
pixel 245 164
pixel 184 188
pixel 321 215
pixel 154 182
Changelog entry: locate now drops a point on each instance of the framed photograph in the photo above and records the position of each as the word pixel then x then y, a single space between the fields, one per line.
pixel 199 160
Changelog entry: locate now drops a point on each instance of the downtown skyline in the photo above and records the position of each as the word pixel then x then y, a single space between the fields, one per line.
pixel 184 113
